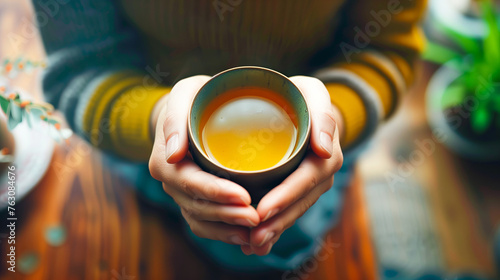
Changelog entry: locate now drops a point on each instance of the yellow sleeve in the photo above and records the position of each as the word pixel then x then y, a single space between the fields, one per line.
pixel 117 115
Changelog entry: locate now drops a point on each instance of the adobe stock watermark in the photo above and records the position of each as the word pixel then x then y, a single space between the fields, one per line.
pixel 223 6
pixel 372 29
pixel 48 9
pixel 321 253
pixel 424 148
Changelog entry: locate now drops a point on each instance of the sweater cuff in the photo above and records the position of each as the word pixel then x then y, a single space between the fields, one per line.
pixel 116 114
pixel 131 116
pixel 371 103
pixel 352 109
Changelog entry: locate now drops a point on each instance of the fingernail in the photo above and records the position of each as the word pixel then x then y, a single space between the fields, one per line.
pixel 326 142
pixel 172 145
pixel 270 214
pixel 245 222
pixel 267 238
pixel 236 239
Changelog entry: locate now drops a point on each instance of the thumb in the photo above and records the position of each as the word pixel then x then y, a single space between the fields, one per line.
pixel 323 120
pixel 175 116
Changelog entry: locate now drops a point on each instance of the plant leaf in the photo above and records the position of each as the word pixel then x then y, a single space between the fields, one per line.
pixel 15 111
pixel 481 119
pixel 36 112
pixel 496 103
pixel 453 95
pixel 4 103
pixel 52 121
pixel 11 121
pixel 492 40
pixel 469 45
pixel 439 54
pixel 27 117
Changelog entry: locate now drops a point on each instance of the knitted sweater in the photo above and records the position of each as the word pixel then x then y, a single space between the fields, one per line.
pixel 110 61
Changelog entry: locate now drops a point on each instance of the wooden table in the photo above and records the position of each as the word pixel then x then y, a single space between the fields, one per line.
pixel 112 234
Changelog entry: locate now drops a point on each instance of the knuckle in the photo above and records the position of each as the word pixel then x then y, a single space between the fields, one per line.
pixel 184 185
pixel 304 207
pixel 165 188
pixel 286 225
pixel 187 212
pixel 338 162
pixel 154 168
pixel 199 205
pixel 329 184
pixel 313 182
pixel 197 230
pixel 209 190
pixel 175 198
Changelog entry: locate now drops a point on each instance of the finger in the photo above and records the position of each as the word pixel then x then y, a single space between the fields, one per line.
pixel 259 250
pixel 275 226
pixel 204 210
pixel 310 173
pixel 175 117
pixel 246 250
pixel 219 231
pixel 189 178
pixel 323 121
pixel 264 249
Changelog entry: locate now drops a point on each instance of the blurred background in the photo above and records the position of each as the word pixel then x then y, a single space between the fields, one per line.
pixel 426 204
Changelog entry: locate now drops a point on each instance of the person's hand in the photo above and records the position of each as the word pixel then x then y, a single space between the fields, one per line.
pixel 213 207
pixel 282 206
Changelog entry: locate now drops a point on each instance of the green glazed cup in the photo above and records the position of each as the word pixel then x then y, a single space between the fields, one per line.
pixel 259 182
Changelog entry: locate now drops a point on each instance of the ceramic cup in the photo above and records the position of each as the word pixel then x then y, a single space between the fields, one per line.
pixel 258 182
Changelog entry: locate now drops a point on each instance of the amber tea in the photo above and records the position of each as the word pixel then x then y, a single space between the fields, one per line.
pixel 248 129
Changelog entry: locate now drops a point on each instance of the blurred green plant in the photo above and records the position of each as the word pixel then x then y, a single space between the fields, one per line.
pixel 13 67
pixel 480 65
pixel 18 110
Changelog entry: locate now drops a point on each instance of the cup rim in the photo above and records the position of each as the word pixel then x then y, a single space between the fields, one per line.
pixel 293 155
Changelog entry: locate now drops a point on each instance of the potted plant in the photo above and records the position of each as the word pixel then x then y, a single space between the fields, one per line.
pixel 458 16
pixel 463 98
pixel 27 130
pixel 17 111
